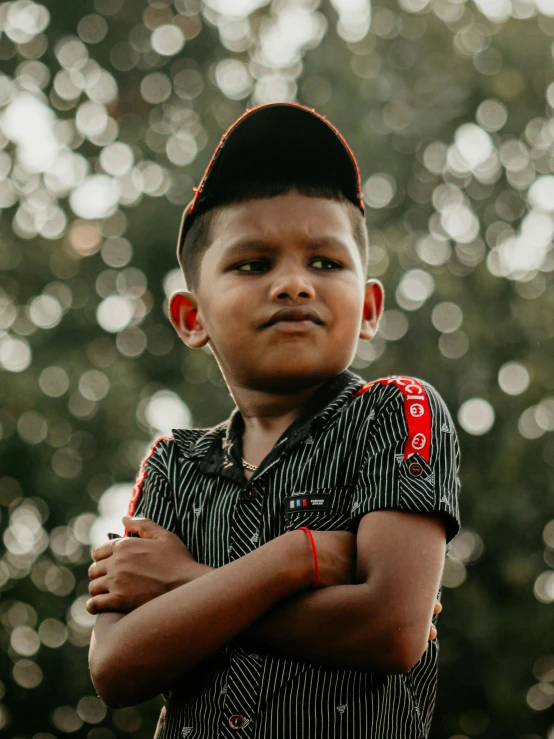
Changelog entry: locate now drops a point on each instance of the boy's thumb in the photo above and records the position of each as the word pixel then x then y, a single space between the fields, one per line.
pixel 144 527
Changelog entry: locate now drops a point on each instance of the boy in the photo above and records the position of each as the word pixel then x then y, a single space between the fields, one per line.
pixel 248 625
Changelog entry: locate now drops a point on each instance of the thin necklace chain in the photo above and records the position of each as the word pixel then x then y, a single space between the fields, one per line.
pixel 248 466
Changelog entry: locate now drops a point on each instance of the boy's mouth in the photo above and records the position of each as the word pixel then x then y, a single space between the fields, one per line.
pixel 294 318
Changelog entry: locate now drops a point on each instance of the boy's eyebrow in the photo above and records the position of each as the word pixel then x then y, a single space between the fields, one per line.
pixel 260 245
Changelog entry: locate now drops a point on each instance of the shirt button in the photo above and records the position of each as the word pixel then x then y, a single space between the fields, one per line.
pixel 236 721
pixel 250 494
pixel 415 469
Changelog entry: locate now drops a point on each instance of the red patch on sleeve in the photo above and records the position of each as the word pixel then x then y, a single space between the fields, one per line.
pixel 416 412
pixel 141 477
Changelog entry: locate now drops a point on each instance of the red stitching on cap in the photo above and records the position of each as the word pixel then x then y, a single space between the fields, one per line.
pixel 416 412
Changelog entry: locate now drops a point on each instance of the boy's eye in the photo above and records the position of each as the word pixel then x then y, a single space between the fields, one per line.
pixel 324 264
pixel 253 266
pixel 258 266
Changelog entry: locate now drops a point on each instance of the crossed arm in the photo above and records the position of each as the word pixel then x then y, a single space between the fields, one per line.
pixel 378 620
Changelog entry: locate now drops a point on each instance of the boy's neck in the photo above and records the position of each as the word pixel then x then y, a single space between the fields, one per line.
pixel 269 414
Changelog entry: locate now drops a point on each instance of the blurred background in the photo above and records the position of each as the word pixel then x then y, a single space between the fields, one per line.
pixel 109 112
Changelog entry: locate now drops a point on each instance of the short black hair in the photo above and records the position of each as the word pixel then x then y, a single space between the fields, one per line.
pixel 198 238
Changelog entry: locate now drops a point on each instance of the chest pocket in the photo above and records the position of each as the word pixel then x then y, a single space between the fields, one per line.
pixel 320 509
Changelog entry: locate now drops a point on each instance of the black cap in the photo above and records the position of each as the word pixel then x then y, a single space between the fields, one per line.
pixel 275 142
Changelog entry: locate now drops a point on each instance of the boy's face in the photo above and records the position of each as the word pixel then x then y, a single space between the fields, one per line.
pixel 281 293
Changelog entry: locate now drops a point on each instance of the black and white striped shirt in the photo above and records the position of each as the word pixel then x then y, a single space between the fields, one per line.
pixel 356 448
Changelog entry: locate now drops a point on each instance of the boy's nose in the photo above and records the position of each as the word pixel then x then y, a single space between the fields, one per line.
pixel 292 285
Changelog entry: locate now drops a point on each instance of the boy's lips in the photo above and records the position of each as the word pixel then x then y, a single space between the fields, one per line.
pixel 295 327
pixel 294 318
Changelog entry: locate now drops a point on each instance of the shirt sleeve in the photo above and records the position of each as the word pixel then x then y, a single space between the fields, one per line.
pixel 412 454
pixel 151 495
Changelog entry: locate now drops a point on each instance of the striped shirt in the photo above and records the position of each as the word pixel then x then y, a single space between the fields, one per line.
pixel 355 448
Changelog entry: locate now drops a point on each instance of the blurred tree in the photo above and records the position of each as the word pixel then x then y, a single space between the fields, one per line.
pixel 109 111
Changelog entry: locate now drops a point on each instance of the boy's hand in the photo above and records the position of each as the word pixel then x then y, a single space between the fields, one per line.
pixel 436 610
pixel 128 572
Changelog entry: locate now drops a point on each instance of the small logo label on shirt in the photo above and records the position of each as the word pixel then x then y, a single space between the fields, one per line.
pixel 303 502
pixel 187 730
pixel 341 709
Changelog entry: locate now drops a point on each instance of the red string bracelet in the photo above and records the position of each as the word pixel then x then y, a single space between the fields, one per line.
pixel 314 552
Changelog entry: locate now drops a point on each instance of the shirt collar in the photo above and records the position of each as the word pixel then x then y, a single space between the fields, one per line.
pixel 219 448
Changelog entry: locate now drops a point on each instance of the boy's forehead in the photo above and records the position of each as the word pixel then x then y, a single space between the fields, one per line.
pixel 280 216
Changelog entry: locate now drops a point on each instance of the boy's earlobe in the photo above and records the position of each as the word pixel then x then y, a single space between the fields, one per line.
pixel 373 309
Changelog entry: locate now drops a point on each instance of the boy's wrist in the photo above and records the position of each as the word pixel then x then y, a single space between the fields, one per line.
pixel 192 571
pixel 295 555
pixel 299 559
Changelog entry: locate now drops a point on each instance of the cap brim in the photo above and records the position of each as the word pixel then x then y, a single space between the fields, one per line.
pixel 273 143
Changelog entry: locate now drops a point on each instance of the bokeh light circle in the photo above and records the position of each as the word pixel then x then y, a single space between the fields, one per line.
pixel 45 311
pixel 27 674
pixel 54 381
pixel 541 193
pixel 94 385
pixel 544 587
pixel 52 633
pixel 476 416
pixel 447 317
pixel 32 427
pixel 165 411
pixel 91 709
pixel 24 641
pixel 167 40
pixel 96 197
pixel 513 378
pixel 379 190
pixel 66 719
pixel 114 313
pixel 15 354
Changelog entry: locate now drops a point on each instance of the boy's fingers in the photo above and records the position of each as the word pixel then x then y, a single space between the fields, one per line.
pixel 100 604
pixel 98 587
pixel 95 605
pixel 433 633
pixel 97 569
pixel 144 527
pixel 437 609
pixel 103 551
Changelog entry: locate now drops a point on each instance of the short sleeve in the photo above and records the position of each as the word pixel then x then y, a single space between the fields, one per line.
pixel 151 495
pixel 412 454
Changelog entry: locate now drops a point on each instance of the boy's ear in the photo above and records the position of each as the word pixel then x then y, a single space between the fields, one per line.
pixel 183 314
pixel 373 309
